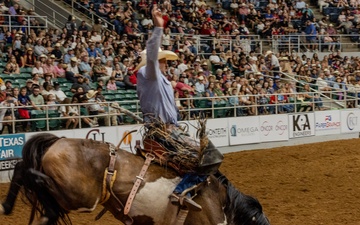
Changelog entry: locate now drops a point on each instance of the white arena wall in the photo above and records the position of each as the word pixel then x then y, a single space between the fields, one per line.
pixel 228 134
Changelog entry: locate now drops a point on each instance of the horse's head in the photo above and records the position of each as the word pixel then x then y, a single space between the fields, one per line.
pixel 241 209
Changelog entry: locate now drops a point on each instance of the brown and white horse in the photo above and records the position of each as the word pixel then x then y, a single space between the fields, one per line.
pixel 60 175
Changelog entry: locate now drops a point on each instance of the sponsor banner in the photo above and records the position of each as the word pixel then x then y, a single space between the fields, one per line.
pixel 130 139
pixel 10 150
pixel 8 164
pixel 350 121
pixel 301 125
pixel 327 122
pixel 274 128
pixel 217 131
pixel 244 130
pixel 104 134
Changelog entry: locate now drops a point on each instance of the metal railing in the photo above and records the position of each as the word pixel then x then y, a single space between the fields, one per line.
pixel 212 107
pixel 299 43
pixel 77 8
pixel 10 21
pixel 54 17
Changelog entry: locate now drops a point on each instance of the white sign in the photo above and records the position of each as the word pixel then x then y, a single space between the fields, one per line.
pixel 350 120
pixel 104 134
pixel 327 122
pixel 217 131
pixel 301 125
pixel 130 139
pixel 244 130
pixel 274 128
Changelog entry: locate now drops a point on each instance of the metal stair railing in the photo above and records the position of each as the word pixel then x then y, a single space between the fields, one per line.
pixel 78 9
pixel 54 18
pixel 9 24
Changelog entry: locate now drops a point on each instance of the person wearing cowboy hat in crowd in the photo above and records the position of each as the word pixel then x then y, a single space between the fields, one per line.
pixel 57 52
pixel 72 71
pixel 274 63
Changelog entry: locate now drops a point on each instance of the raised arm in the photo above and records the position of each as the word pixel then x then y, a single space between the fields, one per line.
pixel 153 45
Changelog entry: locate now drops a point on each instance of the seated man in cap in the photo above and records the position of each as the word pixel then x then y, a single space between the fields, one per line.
pixel 72 71
pixel 69 55
pixel 160 104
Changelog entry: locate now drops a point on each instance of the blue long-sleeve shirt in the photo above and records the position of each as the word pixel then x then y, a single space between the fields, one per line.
pixel 155 92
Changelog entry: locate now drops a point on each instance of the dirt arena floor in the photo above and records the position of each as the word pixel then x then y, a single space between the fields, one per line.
pixel 303 185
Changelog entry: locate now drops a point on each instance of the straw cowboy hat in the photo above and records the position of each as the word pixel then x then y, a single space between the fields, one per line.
pixel 168 55
pixel 90 94
pixel 268 53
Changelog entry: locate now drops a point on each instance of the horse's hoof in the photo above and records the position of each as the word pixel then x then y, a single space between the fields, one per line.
pixel 2 210
pixel 42 221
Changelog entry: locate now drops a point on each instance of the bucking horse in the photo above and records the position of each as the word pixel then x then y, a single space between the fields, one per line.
pixel 60 175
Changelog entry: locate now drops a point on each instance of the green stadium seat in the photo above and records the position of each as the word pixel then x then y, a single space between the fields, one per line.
pixel 54 121
pixel 62 80
pixel 38 124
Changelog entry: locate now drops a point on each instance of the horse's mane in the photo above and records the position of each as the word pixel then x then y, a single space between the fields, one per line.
pixel 35 182
pixel 241 209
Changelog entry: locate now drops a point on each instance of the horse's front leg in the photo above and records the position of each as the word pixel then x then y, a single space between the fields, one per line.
pixel 15 185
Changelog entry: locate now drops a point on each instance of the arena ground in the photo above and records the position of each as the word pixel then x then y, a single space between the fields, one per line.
pixel 307 184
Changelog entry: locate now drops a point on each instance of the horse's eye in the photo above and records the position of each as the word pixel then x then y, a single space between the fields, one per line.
pixel 254 218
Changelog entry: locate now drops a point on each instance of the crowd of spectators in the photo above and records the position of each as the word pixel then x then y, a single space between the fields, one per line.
pixel 94 60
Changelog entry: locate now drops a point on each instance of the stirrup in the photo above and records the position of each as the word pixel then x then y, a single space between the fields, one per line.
pixel 184 201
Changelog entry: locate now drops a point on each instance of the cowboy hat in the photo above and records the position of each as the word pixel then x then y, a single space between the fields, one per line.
pixel 91 94
pixel 268 53
pixel 168 55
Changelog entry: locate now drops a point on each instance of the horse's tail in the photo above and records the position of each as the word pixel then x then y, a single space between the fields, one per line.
pixel 241 209
pixel 36 184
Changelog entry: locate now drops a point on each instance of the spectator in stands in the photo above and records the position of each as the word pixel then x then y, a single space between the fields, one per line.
pixel 49 68
pixel 72 70
pixel 322 4
pixel 329 42
pixel 57 92
pixel 36 98
pixel 70 111
pixel 111 85
pixel 311 37
pixel 13 11
pixel 98 69
pixel 57 52
pixel 85 68
pixel 274 63
pixel 200 86
pixel 12 67
pixel 300 4
pixel 322 84
pixel 39 49
pixel 106 56
pixel 345 26
pixel 118 75
pixel 29 58
pixel 70 54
